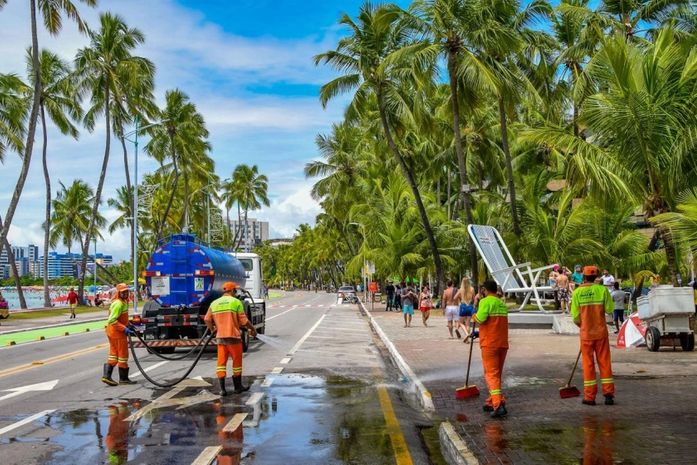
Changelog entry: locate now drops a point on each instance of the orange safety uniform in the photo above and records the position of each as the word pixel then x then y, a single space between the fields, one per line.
pixel 589 305
pixel 118 343
pixel 227 313
pixel 492 316
pixel 116 440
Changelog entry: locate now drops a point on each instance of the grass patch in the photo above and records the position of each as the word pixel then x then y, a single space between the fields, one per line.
pixel 61 311
pixel 48 333
pixel 275 295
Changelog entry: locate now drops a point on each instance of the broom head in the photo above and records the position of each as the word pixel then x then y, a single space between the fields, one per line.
pixel 466 392
pixel 567 392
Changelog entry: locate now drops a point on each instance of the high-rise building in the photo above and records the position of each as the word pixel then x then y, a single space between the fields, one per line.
pixel 255 233
pixel 60 265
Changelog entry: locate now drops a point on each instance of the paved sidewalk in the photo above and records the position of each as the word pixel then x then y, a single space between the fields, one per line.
pixel 653 421
pixel 62 316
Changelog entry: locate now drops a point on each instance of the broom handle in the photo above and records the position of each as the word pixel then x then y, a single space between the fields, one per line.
pixel 574 370
pixel 469 362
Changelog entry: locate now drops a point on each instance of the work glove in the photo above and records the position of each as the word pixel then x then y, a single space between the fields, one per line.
pixel 128 331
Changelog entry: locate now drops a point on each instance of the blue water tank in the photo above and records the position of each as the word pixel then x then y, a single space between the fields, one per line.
pixel 183 272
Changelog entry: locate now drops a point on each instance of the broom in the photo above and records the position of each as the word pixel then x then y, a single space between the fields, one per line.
pixel 468 391
pixel 569 390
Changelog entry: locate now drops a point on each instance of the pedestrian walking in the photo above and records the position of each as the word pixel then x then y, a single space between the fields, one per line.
pixel 398 296
pixel 577 276
pixel 390 290
pixel 553 278
pixel 492 317
pixel 608 280
pixel 408 300
pixel 117 331
pixel 425 304
pixel 225 318
pixel 563 290
pixel 588 308
pixel 72 302
pixel 618 298
pixel 465 299
pixel 452 310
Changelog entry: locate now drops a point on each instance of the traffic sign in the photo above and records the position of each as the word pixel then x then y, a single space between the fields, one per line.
pixel 373 287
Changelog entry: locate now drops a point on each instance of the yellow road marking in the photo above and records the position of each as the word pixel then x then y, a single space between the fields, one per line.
pixel 48 361
pixel 399 444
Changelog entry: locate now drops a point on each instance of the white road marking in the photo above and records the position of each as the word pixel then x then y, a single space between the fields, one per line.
pixel 307 334
pixel 267 382
pixel 282 313
pixel 18 391
pixel 235 423
pixel 157 365
pixel 21 423
pixel 207 456
pixel 277 371
pixel 255 398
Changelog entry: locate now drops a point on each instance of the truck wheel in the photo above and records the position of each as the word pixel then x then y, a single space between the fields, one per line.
pixel 261 329
pixel 687 341
pixel 653 339
pixel 163 350
pixel 244 335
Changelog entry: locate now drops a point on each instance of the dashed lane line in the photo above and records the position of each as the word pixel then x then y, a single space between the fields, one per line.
pixel 255 398
pixel 25 421
pixel 207 456
pixel 307 334
pixel 277 371
pixel 235 423
pixel 150 368
pixel 285 360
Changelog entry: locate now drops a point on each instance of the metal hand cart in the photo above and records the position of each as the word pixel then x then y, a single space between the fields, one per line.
pixel 666 312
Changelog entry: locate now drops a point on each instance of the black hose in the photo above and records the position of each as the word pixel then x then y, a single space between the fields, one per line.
pixel 173 383
pixel 178 357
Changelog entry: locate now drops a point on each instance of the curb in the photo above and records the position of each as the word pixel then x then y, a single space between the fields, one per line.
pixel 424 396
pixel 454 449
pixel 23 330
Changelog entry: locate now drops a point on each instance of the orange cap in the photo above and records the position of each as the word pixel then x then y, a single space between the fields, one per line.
pixel 229 286
pixel 121 288
pixel 590 270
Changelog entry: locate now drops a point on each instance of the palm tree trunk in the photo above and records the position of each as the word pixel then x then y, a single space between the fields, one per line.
pixel 15 274
pixel 246 232
pixel 509 167
pixel 174 190
pixel 227 218
pixel 31 131
pixel 97 196
pixel 185 214
pixel 238 239
pixel 461 161
pixel 671 255
pixel 128 189
pixel 47 224
pixel 414 188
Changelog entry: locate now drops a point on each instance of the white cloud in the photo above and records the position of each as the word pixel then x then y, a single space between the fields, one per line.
pixel 293 207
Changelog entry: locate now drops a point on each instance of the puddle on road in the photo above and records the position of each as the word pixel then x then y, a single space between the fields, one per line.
pixel 301 420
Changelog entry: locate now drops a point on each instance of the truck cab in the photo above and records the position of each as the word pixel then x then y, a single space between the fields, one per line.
pixel 254 284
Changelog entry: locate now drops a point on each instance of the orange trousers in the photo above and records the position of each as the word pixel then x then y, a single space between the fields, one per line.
pixel 226 351
pixel 118 350
pixel 493 359
pixel 592 350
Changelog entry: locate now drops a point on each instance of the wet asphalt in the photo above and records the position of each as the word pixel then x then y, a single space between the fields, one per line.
pixel 314 399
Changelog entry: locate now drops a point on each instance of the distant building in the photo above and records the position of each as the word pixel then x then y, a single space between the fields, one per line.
pixel 256 233
pixel 25 257
pixel 60 265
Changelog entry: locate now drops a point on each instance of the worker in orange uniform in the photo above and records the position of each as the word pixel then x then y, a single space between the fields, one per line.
pixel 116 440
pixel 589 305
pixel 226 316
pixel 116 330
pixel 492 316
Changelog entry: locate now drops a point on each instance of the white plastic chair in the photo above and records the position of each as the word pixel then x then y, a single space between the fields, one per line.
pixel 513 278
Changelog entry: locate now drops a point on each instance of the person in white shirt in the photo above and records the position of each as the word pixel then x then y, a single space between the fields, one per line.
pixel 608 280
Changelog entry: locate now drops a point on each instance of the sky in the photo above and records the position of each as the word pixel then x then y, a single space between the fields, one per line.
pixel 246 64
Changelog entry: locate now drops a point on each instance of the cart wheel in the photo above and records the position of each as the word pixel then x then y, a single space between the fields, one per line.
pixel 653 338
pixel 687 341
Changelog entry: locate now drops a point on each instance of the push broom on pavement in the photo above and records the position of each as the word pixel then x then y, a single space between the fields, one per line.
pixel 468 391
pixel 570 391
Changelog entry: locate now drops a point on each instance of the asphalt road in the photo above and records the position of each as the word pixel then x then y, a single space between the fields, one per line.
pixel 321 394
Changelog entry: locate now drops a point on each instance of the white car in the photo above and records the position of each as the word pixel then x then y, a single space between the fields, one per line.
pixel 346 294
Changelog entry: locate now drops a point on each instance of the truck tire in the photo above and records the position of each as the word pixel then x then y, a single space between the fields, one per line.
pixel 653 339
pixel 163 350
pixel 244 335
pixel 687 341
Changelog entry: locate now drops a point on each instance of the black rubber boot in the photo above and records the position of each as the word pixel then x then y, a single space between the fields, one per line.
pixel 588 402
pixel 223 392
pixel 499 412
pixel 610 400
pixel 487 408
pixel 106 376
pixel 123 376
pixel 237 381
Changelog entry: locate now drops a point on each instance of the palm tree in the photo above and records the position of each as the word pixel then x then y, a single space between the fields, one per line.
pixel 13 110
pixel 71 212
pixel 52 13
pixel 60 100
pixel 180 138
pixel 122 204
pixel 105 70
pixel 251 190
pixel 366 59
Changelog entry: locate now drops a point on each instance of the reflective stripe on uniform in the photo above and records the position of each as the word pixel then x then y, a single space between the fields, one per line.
pixel 607 380
pixel 590 383
pixel 494 392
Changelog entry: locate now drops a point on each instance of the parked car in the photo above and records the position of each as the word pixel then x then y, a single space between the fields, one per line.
pixel 347 294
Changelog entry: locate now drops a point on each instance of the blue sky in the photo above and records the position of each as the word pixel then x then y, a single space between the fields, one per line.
pixel 246 64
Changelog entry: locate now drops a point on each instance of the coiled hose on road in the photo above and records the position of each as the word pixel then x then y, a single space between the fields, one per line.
pixel 191 368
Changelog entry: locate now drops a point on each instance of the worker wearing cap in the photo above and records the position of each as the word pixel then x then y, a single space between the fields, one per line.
pixel 589 305
pixel 226 316
pixel 492 317
pixel 116 330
